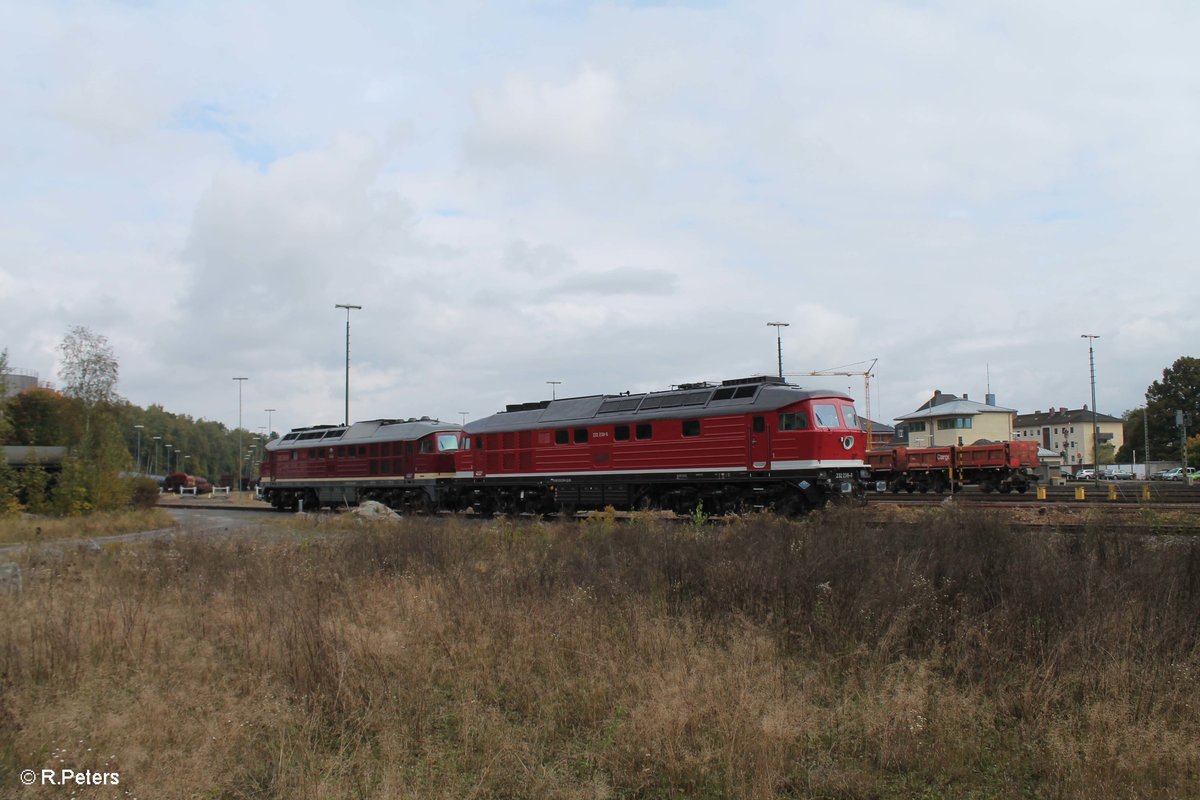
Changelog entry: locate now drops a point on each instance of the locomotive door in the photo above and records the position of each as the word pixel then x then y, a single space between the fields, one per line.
pixel 409 461
pixel 760 444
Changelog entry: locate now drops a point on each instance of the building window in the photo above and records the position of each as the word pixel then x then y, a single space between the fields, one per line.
pixel 916 427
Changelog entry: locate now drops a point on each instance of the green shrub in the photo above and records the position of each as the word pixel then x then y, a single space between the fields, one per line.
pixel 143 492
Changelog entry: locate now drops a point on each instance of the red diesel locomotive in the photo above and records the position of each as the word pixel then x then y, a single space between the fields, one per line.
pixel 753 443
pixel 405 464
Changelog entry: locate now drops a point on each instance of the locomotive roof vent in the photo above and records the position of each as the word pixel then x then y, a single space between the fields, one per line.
pixel 526 406
pixel 775 379
pixel 696 385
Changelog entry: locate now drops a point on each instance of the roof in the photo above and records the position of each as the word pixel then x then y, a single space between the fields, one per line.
pixel 1057 416
pixel 954 408
pixel 694 400
pixel 389 430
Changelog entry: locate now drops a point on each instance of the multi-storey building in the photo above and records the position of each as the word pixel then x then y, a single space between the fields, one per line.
pixel 1068 432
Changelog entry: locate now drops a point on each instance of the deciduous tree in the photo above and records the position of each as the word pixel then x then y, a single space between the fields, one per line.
pixel 89 368
pixel 1179 390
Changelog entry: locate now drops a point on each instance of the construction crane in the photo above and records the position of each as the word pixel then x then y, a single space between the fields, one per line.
pixel 845 370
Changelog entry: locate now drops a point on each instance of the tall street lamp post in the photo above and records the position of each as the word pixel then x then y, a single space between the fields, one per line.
pixel 348 309
pixel 239 466
pixel 154 469
pixel 269 412
pixel 139 448
pixel 169 448
pixel 1095 427
pixel 554 389
pixel 779 341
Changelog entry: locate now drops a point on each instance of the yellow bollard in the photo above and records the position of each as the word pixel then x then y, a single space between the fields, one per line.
pixel 1080 494
pixel 1146 492
pixel 1112 491
pixel 1041 493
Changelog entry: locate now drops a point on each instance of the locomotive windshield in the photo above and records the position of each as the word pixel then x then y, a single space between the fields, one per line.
pixel 825 415
pixel 850 417
pixel 447 442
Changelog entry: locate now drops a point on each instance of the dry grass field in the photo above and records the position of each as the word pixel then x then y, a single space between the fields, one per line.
pixel 827 658
pixel 37 529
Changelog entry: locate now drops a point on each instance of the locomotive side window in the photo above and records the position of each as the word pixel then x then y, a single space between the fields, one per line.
pixel 850 417
pixel 427 445
pixel 643 431
pixel 562 437
pixel 581 436
pixel 466 443
pixel 760 424
pixel 826 415
pixel 691 427
pixel 621 433
pixel 793 421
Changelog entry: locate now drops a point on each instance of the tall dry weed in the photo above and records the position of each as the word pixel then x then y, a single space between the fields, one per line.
pixel 769 658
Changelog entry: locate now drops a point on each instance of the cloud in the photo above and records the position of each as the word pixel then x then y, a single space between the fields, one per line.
pixel 523 121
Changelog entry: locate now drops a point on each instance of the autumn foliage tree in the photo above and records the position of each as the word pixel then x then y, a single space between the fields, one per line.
pixel 1179 390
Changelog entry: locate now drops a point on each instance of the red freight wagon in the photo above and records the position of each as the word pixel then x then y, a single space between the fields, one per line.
pixel 401 463
pixel 748 443
pixel 993 466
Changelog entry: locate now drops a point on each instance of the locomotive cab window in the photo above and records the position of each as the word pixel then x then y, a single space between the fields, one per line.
pixel 427 445
pixel 759 424
pixel 826 415
pixel 850 417
pixel 447 442
pixel 691 427
pixel 793 421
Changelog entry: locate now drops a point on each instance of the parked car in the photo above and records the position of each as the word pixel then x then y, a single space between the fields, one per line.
pixel 1085 474
pixel 1177 474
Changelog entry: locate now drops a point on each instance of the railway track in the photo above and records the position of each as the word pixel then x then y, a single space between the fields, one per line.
pixel 1107 493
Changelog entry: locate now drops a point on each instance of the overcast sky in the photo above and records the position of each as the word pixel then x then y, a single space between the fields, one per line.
pixel 614 195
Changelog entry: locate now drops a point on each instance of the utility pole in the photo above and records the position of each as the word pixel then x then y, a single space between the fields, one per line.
pixel 778 342
pixel 348 309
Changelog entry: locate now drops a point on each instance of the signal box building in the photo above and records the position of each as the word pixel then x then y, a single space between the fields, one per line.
pixel 947 419
pixel 1068 432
